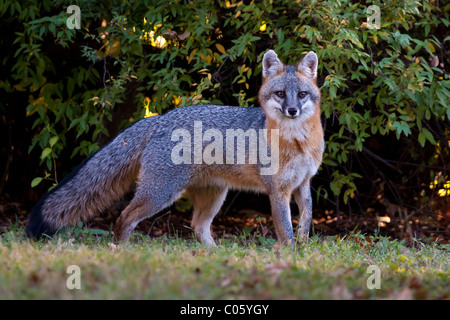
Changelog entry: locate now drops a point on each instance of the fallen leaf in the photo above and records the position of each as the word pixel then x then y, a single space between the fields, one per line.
pixel 277 267
pixel 225 282
pixel 403 294
pixel 341 292
pixel 112 246
pixel 200 252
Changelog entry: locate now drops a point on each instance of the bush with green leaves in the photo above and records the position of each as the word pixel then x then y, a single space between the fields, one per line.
pixel 385 91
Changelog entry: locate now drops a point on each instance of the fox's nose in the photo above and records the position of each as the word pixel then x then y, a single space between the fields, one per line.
pixel 292 111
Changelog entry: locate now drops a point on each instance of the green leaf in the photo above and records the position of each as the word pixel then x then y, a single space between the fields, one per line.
pixel 429 136
pixel 402 126
pixel 53 141
pixel 45 153
pixel 41 30
pixel 52 28
pixel 280 36
pixel 36 181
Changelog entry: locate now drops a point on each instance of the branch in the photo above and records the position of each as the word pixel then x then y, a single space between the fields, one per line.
pixel 386 162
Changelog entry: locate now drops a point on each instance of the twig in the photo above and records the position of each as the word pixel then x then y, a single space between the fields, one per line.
pixel 9 156
pixel 386 162
pixel 231 203
pixel 217 73
pixel 157 218
pixel 104 73
pixel 419 165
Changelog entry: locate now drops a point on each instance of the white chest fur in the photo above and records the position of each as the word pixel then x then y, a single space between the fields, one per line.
pixel 296 170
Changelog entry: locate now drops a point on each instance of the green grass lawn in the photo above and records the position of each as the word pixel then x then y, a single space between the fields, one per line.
pixel 239 268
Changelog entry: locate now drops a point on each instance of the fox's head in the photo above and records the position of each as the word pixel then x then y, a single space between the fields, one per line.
pixel 289 93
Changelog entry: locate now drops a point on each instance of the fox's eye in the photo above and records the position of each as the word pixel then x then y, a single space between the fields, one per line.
pixel 302 94
pixel 280 94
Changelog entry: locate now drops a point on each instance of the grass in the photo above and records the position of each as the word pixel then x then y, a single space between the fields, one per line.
pixel 239 268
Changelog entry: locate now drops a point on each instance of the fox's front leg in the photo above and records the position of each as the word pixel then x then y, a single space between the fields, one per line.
pixel 281 214
pixel 302 196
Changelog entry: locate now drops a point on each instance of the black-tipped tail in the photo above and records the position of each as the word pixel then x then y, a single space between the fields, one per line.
pixel 94 185
pixel 36 226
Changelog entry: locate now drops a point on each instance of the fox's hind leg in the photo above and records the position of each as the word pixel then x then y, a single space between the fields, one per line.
pixel 206 202
pixel 129 218
pixel 148 201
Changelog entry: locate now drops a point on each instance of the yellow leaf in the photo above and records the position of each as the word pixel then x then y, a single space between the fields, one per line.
pixel 220 48
pixel 114 49
pixel 431 47
pixel 147 102
pixel 176 100
pixel 206 58
pixel 263 26
pixel 19 87
pixel 203 71
pixel 148 113
pixel 191 56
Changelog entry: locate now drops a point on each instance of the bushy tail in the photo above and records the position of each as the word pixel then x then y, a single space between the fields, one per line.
pixel 93 186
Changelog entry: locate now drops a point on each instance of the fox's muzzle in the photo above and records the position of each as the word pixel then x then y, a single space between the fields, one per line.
pixel 292 107
pixel 293 111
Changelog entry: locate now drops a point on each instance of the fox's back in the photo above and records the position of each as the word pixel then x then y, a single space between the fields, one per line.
pixel 194 143
pixel 212 116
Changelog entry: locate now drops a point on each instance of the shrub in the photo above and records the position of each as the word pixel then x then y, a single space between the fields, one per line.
pixel 385 90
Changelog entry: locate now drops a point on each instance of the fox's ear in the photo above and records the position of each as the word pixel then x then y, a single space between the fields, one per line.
pixel 308 65
pixel 271 64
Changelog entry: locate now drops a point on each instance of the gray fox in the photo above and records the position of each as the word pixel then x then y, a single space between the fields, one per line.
pixel 284 137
